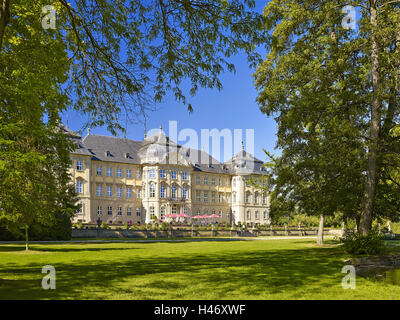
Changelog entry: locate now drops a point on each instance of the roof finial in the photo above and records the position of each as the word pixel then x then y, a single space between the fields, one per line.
pixel 145 133
pixel 88 131
pixel 242 145
pixel 160 128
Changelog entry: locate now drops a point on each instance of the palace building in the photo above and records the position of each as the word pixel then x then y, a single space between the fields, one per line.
pixel 120 180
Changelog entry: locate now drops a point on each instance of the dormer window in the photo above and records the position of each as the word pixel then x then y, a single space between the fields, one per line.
pixel 108 154
pixel 127 155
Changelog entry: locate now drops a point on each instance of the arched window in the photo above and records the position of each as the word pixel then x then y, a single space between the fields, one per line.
pixel 256 197
pixel 152 191
pixel 184 192
pixel 248 195
pixel 162 191
pixel 173 191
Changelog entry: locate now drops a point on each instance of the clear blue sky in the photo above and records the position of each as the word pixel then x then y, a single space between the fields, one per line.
pixel 233 107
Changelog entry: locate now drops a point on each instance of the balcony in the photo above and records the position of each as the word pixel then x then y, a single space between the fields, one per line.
pixel 171 199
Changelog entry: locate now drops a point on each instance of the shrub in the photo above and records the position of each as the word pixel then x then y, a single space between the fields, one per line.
pixel 355 243
pixel 103 225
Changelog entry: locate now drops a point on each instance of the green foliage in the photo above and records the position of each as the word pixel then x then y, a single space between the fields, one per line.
pixel 357 244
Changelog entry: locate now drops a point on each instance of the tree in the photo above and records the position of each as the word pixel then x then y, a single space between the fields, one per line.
pixel 332 89
pixel 125 55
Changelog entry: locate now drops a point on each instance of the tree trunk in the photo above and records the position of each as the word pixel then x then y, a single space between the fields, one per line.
pixel 320 235
pixel 366 218
pixel 26 238
pixel 4 18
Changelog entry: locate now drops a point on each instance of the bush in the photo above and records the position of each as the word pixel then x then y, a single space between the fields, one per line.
pixel 355 243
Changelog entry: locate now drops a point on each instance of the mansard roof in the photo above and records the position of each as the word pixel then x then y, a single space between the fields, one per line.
pixel 156 148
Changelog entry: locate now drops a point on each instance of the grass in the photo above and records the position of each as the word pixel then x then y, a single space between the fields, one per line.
pixel 270 269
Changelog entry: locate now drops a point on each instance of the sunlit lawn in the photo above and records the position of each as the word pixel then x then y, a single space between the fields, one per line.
pixel 272 269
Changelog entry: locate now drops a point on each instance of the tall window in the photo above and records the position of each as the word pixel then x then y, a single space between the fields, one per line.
pixel 205 196
pixel 173 174
pixel 265 215
pixel 213 181
pixel 152 173
pixel 79 187
pixel 109 191
pixel 138 174
pixel 220 198
pixel 129 192
pixel 109 211
pixel 152 191
pixel 99 211
pixel 119 173
pixel 138 212
pixel 248 215
pixel 79 166
pixel 264 198
pixel 129 212
pixel 256 197
pixel 138 193
pixel 162 213
pixel 184 192
pixel 99 191
pixel 162 173
pixel 248 197
pixel 220 181
pixel 198 180
pixel 119 192
pixel 162 191
pixel 128 173
pixel 213 197
pixel 109 172
pixel 205 180
pixel 256 215
pixel 173 192
pixel 184 175
pixel 99 171
pixel 198 196
pixel 119 211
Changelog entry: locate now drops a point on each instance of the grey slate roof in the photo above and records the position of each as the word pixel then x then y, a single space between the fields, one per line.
pixel 128 151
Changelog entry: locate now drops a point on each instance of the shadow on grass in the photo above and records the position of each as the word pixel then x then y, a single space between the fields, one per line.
pixel 249 273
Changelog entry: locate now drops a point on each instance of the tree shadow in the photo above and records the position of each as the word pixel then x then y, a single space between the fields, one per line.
pixel 225 275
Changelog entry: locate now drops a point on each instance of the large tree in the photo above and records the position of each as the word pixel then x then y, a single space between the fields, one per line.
pixel 334 92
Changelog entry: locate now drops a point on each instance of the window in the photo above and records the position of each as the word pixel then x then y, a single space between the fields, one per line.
pixel 220 198
pixel 256 215
pixel 138 193
pixel 198 196
pixel 213 181
pixel 162 191
pixel 152 191
pixel 184 192
pixel 220 213
pixel 109 172
pixel 152 173
pixel 79 187
pixel 162 173
pixel 138 212
pixel 79 166
pixel 205 180
pixel 234 182
pixel 173 210
pixel 129 192
pixel 220 181
pixel 162 213
pixel 99 171
pixel 185 210
pixel 119 211
pixel 248 215
pixel 184 175
pixel 247 197
pixel 213 197
pixel 80 208
pixel 265 215
pixel 119 192
pixel 264 198
pixel 234 197
pixel 129 212
pixel 109 211
pixel 99 211
pixel 128 173
pixel 99 191
pixel 119 173
pixel 198 180
pixel 173 174
pixel 228 182
pixel 173 192
pixel 151 211
pixel 227 198
pixel 256 197
pixel 205 196
pixel 109 191
pixel 138 174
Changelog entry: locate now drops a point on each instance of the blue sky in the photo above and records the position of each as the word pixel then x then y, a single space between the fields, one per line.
pixel 233 107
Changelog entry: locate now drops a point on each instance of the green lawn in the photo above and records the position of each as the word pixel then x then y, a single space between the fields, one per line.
pixel 271 269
